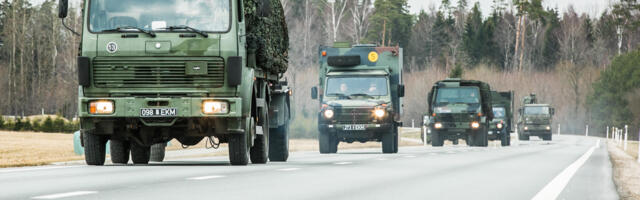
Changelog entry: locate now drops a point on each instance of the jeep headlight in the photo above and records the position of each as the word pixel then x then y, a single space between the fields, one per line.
pixel 214 107
pixel 101 107
pixel 328 114
pixel 499 125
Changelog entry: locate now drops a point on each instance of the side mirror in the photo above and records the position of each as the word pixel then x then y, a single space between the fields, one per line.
pixel 400 90
pixel 264 8
pixel 63 7
pixel 553 111
pixel 520 111
pixel 314 93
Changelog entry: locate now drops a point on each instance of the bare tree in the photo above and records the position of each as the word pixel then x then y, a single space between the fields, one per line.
pixel 360 12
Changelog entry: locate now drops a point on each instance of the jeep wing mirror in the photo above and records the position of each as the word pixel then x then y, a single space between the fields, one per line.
pixel 63 7
pixel 314 93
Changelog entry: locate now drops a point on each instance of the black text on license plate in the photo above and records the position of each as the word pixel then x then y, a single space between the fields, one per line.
pixel 354 127
pixel 158 112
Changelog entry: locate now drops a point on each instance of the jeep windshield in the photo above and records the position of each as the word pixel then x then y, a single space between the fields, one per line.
pixel 159 15
pixel 352 87
pixel 536 110
pixel 457 100
pixel 498 112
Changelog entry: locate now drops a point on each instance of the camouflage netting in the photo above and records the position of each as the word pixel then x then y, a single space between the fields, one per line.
pixel 267 37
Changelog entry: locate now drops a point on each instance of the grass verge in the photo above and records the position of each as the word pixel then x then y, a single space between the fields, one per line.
pixel 626 172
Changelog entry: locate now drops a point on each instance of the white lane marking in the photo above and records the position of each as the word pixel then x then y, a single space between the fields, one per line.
pixel 204 177
pixel 37 168
pixel 557 185
pixel 451 152
pixel 410 156
pixel 381 159
pixel 288 169
pixel 64 195
pixel 342 163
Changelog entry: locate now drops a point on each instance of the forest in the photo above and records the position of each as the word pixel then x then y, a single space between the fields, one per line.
pixel 586 66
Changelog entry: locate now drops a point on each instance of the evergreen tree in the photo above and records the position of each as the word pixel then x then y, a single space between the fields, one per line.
pixel 474 38
pixel 391 23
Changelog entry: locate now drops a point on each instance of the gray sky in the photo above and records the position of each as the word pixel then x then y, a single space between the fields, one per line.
pixel 592 7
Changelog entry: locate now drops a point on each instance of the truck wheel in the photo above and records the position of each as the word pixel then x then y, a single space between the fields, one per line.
pixel 436 140
pixel 455 141
pixel 504 140
pixel 140 154
pixel 157 152
pixel 119 151
pixel 94 148
pixel 328 142
pixel 279 143
pixel 396 138
pixel 508 138
pixel 481 138
pixel 470 140
pixel 547 137
pixel 238 145
pixel 259 152
pixel 388 141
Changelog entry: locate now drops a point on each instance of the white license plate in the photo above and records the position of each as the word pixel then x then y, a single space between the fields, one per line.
pixel 354 127
pixel 158 112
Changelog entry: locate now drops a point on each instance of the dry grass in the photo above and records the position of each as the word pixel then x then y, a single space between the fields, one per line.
pixel 626 173
pixel 29 149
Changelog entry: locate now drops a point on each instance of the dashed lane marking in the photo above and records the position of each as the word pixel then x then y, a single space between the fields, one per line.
pixel 199 178
pixel 64 195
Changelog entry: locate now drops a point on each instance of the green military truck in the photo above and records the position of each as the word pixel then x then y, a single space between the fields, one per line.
pixel 500 127
pixel 360 94
pixel 460 109
pixel 535 119
pixel 155 70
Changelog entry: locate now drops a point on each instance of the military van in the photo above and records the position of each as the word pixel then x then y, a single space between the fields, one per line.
pixel 460 109
pixel 360 94
pixel 501 127
pixel 535 119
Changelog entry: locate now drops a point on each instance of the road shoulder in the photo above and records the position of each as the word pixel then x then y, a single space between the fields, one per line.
pixel 626 173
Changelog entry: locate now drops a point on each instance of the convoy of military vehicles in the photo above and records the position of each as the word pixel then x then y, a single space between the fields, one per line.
pixel 148 76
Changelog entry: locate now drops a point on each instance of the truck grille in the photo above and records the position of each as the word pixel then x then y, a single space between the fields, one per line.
pixel 155 72
pixel 354 116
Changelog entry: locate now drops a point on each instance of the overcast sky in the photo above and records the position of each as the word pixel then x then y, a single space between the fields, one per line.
pixel 592 7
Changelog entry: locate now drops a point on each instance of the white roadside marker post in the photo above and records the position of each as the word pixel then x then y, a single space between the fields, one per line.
pixel 626 135
pixel 586 132
pixel 424 135
pixel 558 129
pixel 413 123
pixel 607 132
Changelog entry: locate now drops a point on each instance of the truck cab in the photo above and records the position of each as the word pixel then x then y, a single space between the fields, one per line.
pixel 360 94
pixel 500 127
pixel 535 120
pixel 460 109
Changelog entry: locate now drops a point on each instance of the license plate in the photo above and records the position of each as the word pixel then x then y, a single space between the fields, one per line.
pixel 158 112
pixel 354 127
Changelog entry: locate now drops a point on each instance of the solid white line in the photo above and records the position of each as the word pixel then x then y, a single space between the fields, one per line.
pixel 66 194
pixel 288 169
pixel 37 168
pixel 204 177
pixel 342 163
pixel 555 187
pixel 410 156
pixel 381 159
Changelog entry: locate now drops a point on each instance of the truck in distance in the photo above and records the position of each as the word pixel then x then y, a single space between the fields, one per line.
pixel 150 72
pixel 460 109
pixel 500 127
pixel 360 95
pixel 535 119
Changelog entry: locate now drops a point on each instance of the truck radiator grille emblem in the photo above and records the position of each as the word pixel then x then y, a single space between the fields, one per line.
pixel 145 72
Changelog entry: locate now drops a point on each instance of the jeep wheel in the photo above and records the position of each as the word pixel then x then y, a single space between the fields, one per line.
pixel 389 141
pixel 119 151
pixel 157 152
pixel 328 142
pixel 504 140
pixel 140 154
pixel 94 148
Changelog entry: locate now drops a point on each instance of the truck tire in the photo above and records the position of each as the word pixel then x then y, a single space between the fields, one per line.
pixel 157 152
pixel 328 143
pixel 94 148
pixel 388 140
pixel 455 141
pixel 436 139
pixel 397 138
pixel 259 152
pixel 504 140
pixel 547 137
pixel 279 143
pixel 481 138
pixel 140 154
pixel 238 145
pixel 523 137
pixel 119 150
pixel 470 140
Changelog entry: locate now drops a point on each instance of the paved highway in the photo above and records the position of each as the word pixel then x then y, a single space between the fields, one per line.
pixel 570 167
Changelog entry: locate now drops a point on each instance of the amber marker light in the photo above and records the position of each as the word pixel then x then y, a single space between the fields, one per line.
pixel 101 107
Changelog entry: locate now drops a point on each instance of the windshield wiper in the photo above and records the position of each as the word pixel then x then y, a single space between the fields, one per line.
pixel 124 28
pixel 340 95
pixel 362 95
pixel 188 28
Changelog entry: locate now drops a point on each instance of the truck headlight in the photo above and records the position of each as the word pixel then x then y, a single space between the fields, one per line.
pixel 475 125
pixel 548 127
pixel 214 107
pixel 379 112
pixel 328 114
pixel 101 107
pixel 437 125
pixel 499 125
pixel 526 128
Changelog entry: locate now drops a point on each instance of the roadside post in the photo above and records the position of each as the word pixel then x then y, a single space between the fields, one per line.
pixel 586 132
pixel 558 129
pixel 626 135
pixel 424 135
pixel 607 132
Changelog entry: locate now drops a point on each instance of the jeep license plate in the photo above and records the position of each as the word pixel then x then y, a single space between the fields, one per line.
pixel 354 127
pixel 158 112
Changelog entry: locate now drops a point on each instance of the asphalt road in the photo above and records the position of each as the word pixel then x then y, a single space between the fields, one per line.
pixel 570 167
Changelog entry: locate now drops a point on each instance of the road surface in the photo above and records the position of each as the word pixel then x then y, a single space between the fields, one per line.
pixel 569 167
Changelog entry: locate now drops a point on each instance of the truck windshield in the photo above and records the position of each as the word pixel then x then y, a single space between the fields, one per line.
pixel 469 95
pixel 498 112
pixel 357 86
pixel 205 15
pixel 536 110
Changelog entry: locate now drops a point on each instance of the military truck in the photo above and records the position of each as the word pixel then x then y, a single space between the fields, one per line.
pixel 535 119
pixel 500 127
pixel 360 93
pixel 460 109
pixel 150 71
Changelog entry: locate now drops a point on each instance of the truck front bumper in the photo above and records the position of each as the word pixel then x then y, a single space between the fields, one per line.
pixel 357 131
pixel 186 107
pixel 536 130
